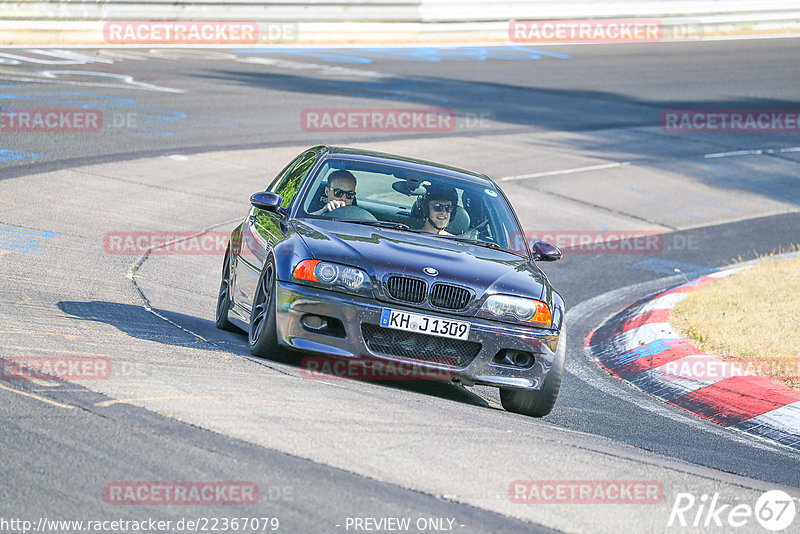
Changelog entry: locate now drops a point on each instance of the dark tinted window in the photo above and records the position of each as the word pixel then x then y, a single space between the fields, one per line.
pixel 394 194
pixel 293 180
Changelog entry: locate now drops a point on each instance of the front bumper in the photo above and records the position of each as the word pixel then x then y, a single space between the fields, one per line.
pixel 295 301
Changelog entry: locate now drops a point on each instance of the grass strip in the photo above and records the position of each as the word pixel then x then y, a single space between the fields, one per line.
pixel 750 319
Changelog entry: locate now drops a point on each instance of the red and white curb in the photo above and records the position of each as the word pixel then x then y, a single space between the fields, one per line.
pixel 639 346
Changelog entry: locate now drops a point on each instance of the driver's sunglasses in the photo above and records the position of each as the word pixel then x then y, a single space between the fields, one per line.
pixel 447 208
pixel 342 193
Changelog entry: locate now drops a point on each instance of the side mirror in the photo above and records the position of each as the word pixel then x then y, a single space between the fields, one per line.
pixel 266 201
pixel 543 251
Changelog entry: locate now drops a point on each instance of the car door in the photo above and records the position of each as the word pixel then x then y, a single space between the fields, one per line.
pixel 263 229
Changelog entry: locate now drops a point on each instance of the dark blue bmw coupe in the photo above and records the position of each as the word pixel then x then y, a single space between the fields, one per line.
pixel 353 254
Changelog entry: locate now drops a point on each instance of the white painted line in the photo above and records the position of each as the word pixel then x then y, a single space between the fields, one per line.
pixel 565 171
pixel 324 69
pixel 785 418
pixel 668 389
pixel 753 152
pixel 665 302
pixel 643 335
pixel 588 370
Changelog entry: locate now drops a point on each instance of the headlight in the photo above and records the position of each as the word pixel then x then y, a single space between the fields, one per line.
pixel 333 276
pixel 516 309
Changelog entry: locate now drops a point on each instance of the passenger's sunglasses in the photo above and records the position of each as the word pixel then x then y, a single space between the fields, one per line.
pixel 342 193
pixel 447 208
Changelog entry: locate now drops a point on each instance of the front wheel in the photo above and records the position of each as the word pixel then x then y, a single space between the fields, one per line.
pixel 539 402
pixel 263 336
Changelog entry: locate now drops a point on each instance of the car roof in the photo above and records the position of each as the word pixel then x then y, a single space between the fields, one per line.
pixel 421 165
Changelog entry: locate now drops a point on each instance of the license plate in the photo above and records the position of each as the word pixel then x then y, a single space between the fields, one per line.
pixel 424 324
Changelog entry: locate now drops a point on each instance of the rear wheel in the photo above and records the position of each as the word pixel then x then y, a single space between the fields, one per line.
pixel 224 297
pixel 539 402
pixel 263 335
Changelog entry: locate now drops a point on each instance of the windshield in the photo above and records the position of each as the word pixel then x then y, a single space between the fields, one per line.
pixel 405 199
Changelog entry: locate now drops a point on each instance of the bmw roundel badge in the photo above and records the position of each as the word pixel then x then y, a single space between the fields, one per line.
pixel 431 271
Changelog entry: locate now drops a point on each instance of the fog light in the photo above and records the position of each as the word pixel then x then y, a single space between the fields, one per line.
pixel 515 358
pixel 314 322
pixel 522 359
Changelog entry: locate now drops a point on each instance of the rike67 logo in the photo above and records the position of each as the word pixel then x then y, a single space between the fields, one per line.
pixel 774 511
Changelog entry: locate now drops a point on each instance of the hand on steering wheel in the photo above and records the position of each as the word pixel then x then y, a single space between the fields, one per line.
pixel 334 204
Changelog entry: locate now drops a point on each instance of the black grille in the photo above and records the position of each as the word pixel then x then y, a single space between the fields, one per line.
pixel 449 297
pixel 406 289
pixel 420 347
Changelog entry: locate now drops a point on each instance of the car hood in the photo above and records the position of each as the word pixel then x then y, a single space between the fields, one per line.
pixel 382 252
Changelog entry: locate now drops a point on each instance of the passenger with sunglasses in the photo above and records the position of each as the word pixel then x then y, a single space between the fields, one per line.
pixel 341 191
pixel 439 205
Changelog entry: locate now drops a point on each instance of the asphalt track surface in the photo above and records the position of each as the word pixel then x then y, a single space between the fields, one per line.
pixel 189 134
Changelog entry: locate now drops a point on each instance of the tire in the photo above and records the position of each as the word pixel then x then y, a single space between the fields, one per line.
pixel 224 297
pixel 262 337
pixel 539 402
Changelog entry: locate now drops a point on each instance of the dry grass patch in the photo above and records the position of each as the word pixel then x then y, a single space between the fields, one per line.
pixel 751 319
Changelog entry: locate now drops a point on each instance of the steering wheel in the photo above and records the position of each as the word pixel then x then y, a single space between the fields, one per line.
pixel 351 213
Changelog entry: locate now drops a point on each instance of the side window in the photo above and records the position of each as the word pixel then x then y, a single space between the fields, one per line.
pixel 293 181
pixel 281 175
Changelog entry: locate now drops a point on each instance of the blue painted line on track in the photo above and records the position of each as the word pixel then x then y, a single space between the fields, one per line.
pixel 10 155
pixel 22 240
pixel 147 120
pixel 645 351
pixel 418 54
pixel 95 99
pixel 60 101
pixel 541 52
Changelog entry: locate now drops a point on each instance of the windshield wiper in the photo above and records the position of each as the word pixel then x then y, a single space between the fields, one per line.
pixel 487 244
pixel 382 224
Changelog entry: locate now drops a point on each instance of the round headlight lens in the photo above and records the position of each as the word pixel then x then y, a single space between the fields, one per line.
pixel 353 278
pixel 518 308
pixel 524 311
pixel 326 272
